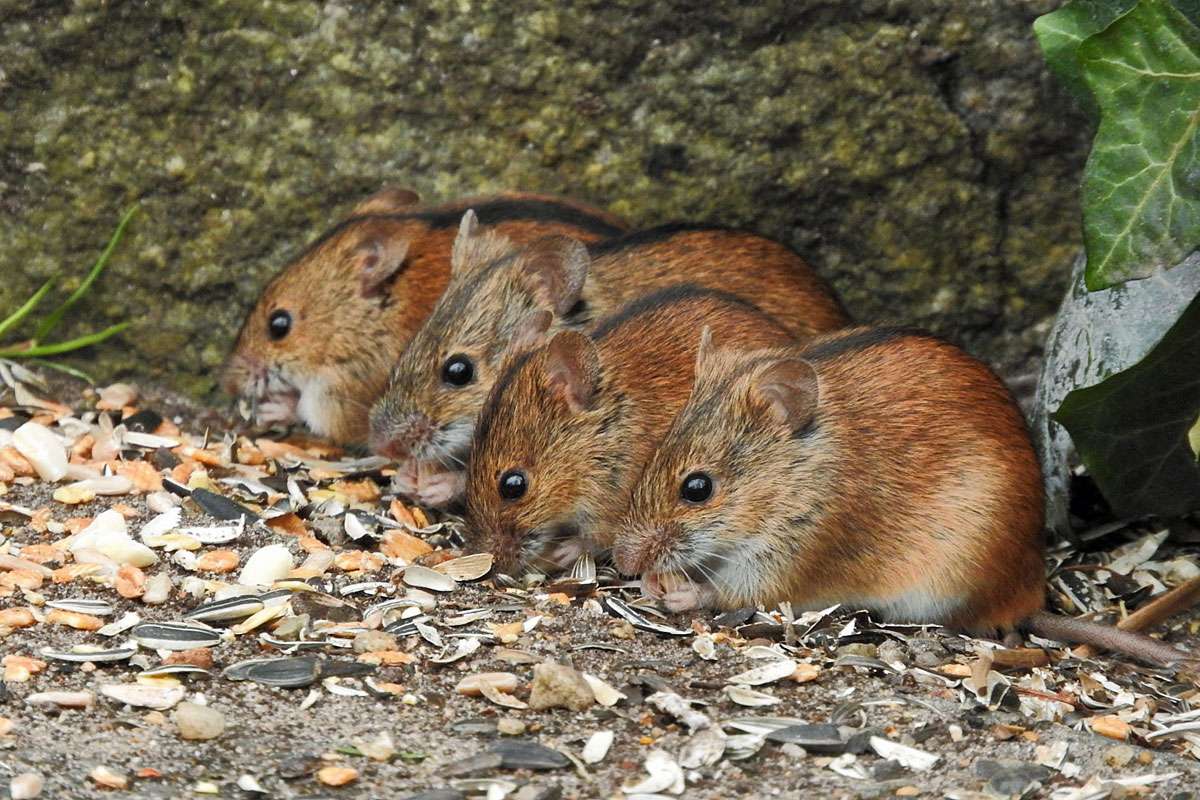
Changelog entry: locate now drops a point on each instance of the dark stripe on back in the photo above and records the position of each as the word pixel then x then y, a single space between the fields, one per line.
pixel 862 340
pixel 655 235
pixel 664 297
pixel 487 416
pixel 489 213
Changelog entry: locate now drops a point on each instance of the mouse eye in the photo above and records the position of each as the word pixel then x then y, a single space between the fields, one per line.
pixel 279 324
pixel 458 370
pixel 513 484
pixel 696 488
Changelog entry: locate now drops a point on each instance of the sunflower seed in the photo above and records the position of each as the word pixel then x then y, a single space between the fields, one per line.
pixel 126 622
pixel 464 648
pixel 80 605
pixel 745 696
pixel 173 669
pixel 821 738
pixel 526 754
pixel 159 698
pixel 622 609
pixel 425 578
pixel 367 587
pixel 909 757
pixel 216 534
pixel 221 507
pixel 236 607
pixel 174 636
pixel 742 746
pixel 703 749
pixel 82 653
pixel 286 673
pixel 768 673
pixel 597 747
pixel 665 775
pixel 604 693
pixel 467 568
pixel 249 783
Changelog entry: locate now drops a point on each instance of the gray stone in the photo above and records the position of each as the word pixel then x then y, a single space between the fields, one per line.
pixel 916 151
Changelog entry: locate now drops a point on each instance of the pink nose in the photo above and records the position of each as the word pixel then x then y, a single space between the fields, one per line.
pixel 398 439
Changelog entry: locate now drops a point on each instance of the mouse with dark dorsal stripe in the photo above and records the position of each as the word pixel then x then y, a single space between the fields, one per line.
pixel 877 468
pixel 500 303
pixel 319 343
pixel 568 426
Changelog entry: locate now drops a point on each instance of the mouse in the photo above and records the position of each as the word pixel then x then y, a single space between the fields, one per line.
pixel 568 426
pixel 879 468
pixel 317 346
pixel 501 303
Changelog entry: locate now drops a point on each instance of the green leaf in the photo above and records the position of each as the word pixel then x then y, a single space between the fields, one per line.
pixel 21 313
pixel 42 350
pixel 1141 187
pixel 1131 429
pixel 51 322
pixel 1061 32
pixel 69 370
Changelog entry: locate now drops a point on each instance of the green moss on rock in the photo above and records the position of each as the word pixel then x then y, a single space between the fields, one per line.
pixel 915 151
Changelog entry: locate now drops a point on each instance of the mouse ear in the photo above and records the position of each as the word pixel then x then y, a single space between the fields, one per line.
pixel 531 331
pixel 377 261
pixel 388 200
pixel 787 388
pixel 573 369
pixel 474 245
pixel 555 269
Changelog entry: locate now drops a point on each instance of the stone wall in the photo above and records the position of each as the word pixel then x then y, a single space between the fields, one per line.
pixel 916 151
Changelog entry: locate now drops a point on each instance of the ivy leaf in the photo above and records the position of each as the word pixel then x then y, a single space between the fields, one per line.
pixel 1061 32
pixel 1131 429
pixel 1141 187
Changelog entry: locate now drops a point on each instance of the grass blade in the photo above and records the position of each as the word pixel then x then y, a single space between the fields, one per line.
pixel 72 371
pixel 37 351
pixel 22 312
pixel 51 322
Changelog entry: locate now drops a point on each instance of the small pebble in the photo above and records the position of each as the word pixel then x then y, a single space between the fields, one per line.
pixel 109 779
pixel 198 723
pixel 26 786
pixel 510 726
pixel 266 565
pixel 337 776
pixel 559 686
pixel 1118 756
pixel 372 641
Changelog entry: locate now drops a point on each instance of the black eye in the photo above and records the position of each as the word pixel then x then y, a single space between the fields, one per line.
pixel 458 370
pixel 513 484
pixel 279 324
pixel 696 488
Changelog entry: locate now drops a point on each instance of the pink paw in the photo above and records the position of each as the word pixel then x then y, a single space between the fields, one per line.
pixel 279 408
pixel 437 489
pixel 676 592
pixel 405 480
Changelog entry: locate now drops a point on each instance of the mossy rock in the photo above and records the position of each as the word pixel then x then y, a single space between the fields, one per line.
pixel 916 152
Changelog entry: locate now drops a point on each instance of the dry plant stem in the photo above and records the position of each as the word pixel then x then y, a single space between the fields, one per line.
pixel 1181 598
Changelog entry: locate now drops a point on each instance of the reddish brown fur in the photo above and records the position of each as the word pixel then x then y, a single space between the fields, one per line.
pixel 914 490
pixel 485 310
pixel 582 462
pixel 345 342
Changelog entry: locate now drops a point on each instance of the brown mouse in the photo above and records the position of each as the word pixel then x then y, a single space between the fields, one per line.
pixel 568 426
pixel 318 345
pixel 500 303
pixel 878 468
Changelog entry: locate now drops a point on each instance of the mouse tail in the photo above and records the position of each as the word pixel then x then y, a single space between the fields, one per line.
pixel 1108 637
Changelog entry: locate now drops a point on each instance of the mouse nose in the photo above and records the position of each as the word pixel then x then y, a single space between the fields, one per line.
pixel 401 437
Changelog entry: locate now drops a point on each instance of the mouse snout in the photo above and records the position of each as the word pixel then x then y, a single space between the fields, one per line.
pixel 242 375
pixel 400 437
pixel 644 548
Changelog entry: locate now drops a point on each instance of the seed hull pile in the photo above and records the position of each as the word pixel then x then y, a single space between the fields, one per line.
pixel 192 615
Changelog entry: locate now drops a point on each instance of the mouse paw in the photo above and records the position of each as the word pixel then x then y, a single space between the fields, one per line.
pixel 277 409
pixel 438 489
pixel 677 593
pixel 405 481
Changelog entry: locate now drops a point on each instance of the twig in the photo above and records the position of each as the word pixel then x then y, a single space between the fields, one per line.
pixel 1181 598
